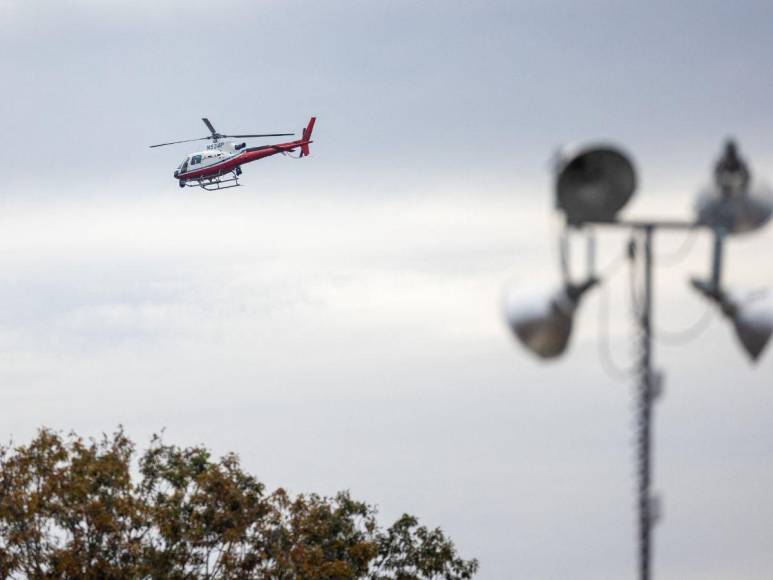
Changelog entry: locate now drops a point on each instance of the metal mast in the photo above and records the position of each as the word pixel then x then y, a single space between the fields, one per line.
pixel 646 392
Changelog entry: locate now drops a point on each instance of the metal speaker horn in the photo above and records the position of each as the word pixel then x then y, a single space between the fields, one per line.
pixel 753 330
pixel 543 324
pixel 746 212
pixel 734 202
pixel 593 183
pixel 752 317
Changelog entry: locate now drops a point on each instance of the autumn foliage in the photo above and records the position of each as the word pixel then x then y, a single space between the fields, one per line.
pixel 71 508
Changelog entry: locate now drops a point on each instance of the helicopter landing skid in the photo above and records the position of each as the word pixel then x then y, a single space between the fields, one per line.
pixel 224 181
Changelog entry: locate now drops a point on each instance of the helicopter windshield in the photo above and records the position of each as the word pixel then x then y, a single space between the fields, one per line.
pixel 183 166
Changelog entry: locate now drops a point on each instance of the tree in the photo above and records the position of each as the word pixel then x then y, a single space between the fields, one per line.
pixel 72 508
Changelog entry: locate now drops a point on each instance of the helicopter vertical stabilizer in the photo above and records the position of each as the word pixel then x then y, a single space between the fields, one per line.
pixel 307 137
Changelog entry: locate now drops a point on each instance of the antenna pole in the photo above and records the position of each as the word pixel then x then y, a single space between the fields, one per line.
pixel 646 391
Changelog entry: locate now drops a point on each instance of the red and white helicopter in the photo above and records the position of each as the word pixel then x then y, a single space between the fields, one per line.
pixel 219 167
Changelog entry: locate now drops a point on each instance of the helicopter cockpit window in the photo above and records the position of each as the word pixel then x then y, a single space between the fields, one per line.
pixel 196 160
pixel 183 165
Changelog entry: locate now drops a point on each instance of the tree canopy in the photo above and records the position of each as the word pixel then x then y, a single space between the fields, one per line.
pixel 75 508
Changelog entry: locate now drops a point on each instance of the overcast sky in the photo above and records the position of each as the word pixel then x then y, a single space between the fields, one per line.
pixel 337 321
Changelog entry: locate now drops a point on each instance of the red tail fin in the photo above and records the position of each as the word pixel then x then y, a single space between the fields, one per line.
pixel 307 137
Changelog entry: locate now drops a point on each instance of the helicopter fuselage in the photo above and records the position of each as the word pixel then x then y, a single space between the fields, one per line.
pixel 222 158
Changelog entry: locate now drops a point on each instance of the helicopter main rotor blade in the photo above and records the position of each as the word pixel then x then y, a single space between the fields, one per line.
pixel 261 135
pixel 209 126
pixel 176 142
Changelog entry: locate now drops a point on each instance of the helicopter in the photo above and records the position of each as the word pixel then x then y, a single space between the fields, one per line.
pixel 219 166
